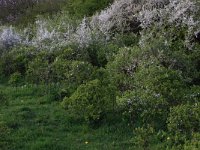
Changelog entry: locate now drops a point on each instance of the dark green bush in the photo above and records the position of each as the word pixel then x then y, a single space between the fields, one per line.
pixel 184 119
pixel 16 60
pixel 143 137
pixel 100 53
pixel 123 67
pixel 73 73
pixel 164 82
pixel 194 143
pixel 156 89
pixel 38 71
pixel 15 79
pixel 91 101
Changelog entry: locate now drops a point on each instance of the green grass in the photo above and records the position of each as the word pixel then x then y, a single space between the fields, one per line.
pixel 33 122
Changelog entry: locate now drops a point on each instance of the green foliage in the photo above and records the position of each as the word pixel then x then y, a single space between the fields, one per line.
pixel 3 99
pixel 25 113
pixel 73 73
pixel 160 81
pixel 16 60
pixel 168 47
pixel 4 134
pixel 123 67
pixel 34 122
pixel 38 71
pixel 91 100
pixel 184 119
pixel 15 79
pixel 126 39
pixel 143 137
pixel 100 54
pixel 194 143
pixel 81 8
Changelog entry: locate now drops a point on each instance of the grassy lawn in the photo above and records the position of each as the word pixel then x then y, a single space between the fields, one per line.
pixel 32 122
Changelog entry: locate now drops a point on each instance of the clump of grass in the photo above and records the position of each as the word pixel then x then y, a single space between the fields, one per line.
pixel 4 134
pixel 3 99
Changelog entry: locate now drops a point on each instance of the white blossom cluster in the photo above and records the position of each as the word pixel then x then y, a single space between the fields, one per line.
pixel 43 34
pixel 122 16
pixel 49 34
pixel 9 37
pixel 83 34
pixel 175 13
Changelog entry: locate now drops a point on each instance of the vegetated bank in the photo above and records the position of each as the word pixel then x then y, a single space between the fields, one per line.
pixel 132 64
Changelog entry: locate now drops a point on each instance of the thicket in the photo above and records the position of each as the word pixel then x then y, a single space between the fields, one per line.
pixel 137 60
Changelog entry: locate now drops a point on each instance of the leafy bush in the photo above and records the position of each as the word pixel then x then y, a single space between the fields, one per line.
pixel 184 119
pixel 16 60
pixel 194 143
pixel 143 137
pixel 15 79
pixel 123 67
pixel 165 82
pixel 72 72
pixel 99 54
pixel 155 90
pixel 91 101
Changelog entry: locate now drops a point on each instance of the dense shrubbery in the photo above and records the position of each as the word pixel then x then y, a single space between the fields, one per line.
pixel 139 62
pixel 92 100
pixel 184 119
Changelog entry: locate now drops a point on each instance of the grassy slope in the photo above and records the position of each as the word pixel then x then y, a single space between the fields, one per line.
pixel 36 123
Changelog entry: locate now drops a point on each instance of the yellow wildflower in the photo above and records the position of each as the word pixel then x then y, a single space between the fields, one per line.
pixel 86 142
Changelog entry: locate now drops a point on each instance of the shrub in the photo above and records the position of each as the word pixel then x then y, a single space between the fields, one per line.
pixel 143 137
pixel 163 82
pixel 99 53
pixel 15 79
pixel 38 71
pixel 184 119
pixel 16 60
pixel 194 143
pixel 123 67
pixel 144 107
pixel 155 90
pixel 91 101
pixel 72 72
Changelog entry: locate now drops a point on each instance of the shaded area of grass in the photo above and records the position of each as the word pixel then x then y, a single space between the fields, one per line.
pixel 34 122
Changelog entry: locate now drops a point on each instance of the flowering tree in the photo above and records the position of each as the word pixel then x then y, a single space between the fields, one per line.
pixel 9 37
pixel 121 16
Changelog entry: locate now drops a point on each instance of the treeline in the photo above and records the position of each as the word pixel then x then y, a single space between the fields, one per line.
pixel 16 11
pixel 24 12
